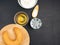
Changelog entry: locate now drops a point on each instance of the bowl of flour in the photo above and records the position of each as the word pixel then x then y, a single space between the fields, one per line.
pixel 27 4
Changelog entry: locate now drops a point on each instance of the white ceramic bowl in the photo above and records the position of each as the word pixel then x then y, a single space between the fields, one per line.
pixel 27 4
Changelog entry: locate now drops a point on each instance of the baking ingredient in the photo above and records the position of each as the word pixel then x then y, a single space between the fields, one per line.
pixel 35 11
pixel 21 18
pixel 27 3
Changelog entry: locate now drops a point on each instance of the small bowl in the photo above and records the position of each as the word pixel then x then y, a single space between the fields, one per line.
pixel 36 23
pixel 21 18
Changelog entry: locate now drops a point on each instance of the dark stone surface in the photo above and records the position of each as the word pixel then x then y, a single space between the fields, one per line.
pixel 49 13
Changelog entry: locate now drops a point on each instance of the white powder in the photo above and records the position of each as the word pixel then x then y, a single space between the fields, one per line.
pixel 27 3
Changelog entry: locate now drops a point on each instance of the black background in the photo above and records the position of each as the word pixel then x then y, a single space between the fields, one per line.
pixel 49 13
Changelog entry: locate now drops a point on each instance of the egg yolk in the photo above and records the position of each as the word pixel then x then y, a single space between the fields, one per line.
pixel 22 19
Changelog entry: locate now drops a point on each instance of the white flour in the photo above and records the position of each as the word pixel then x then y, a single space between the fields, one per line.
pixel 27 3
